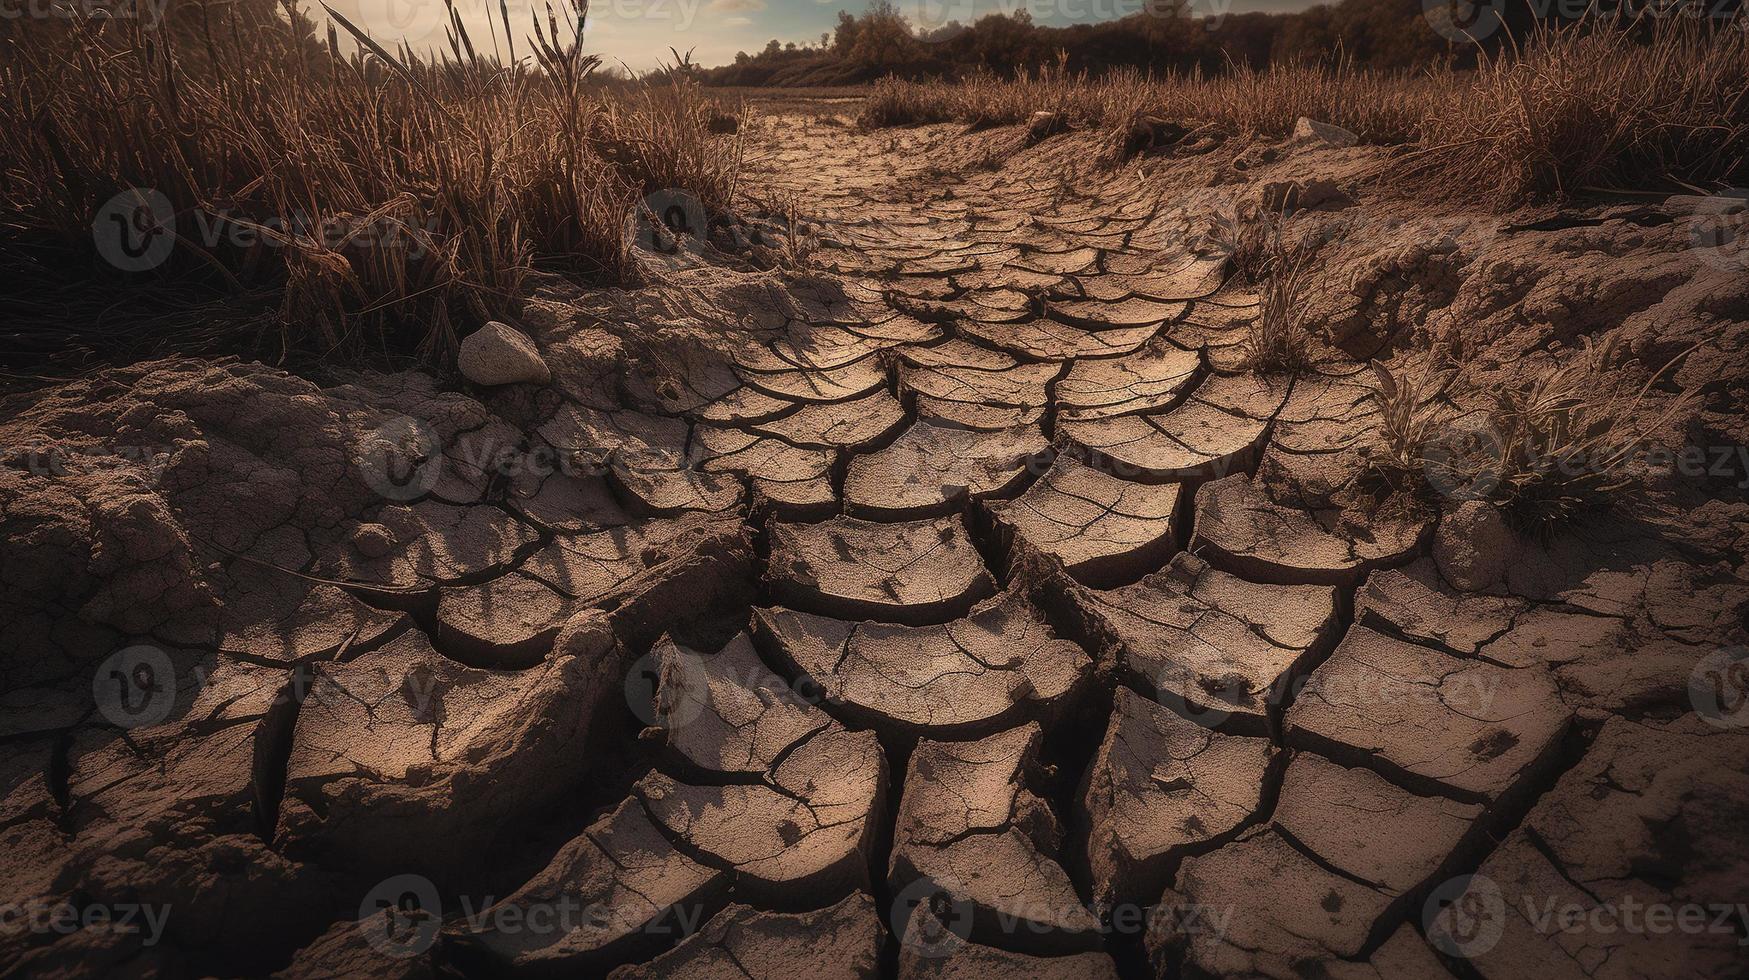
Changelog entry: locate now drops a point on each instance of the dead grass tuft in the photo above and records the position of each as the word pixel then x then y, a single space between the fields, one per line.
pixel 1596 104
pixel 1278 340
pixel 1565 445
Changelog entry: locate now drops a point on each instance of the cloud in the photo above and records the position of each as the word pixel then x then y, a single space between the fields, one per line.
pixel 738 21
pixel 735 6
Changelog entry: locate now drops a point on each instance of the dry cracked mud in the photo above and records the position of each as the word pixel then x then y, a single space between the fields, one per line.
pixel 949 603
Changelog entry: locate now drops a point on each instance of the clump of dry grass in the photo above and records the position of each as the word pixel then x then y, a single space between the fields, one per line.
pixel 1566 444
pixel 1596 104
pixel 1411 418
pixel 1278 340
pixel 369 202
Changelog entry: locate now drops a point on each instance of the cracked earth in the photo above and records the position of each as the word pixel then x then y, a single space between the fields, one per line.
pixel 948 602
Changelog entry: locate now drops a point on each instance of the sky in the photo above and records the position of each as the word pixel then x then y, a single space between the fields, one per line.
pixel 639 33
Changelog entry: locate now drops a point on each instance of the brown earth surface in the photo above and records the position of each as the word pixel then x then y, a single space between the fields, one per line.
pixel 944 600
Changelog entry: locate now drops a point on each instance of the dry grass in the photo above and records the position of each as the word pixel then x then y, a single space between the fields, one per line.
pixel 1597 107
pixel 375 203
pixel 1278 339
pixel 1599 103
pixel 1565 445
pixel 1382 107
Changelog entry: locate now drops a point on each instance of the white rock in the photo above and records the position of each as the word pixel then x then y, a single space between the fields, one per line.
pixel 1473 546
pixel 499 354
pixel 1322 132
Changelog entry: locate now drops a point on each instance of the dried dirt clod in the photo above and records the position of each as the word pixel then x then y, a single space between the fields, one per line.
pixel 1104 529
pixel 403 761
pixel 727 712
pixel 802 836
pixel 1162 787
pixel 791 795
pixel 1334 540
pixel 567 499
pixel 1221 647
pixel 1149 380
pixel 1417 603
pixel 1259 907
pixel 915 573
pixel 794 482
pixel 971 827
pixel 852 425
pixel 435 544
pixel 1473 546
pixel 509 621
pixel 1645 796
pixel 661 490
pixel 931 469
pixel 1217 431
pixel 628 890
pixel 1048 340
pixel 1367 828
pixel 1434 721
pixel 842 942
pixel 166 817
pixel 1095 314
pixel 961 679
pixel 499 354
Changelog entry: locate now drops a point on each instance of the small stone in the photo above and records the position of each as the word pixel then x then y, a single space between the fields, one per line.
pixel 373 540
pixel 1473 546
pixel 1306 128
pixel 1044 125
pixel 499 354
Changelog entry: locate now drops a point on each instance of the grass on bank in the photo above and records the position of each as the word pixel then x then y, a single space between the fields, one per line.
pixel 372 202
pixel 1597 103
pixel 1568 443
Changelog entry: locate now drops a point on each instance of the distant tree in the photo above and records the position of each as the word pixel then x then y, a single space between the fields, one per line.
pixel 844 38
pixel 883 37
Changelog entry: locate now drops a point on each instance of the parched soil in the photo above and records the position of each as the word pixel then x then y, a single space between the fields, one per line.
pixel 948 600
